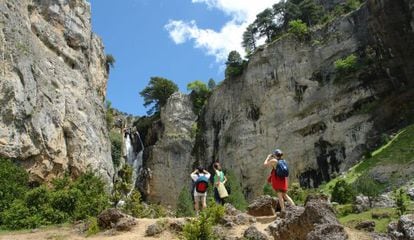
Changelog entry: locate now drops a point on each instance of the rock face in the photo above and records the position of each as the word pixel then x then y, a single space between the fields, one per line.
pixel 170 160
pixel 290 96
pixel 316 220
pixel 52 82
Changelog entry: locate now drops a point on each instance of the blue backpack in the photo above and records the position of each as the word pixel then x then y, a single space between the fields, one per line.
pixel 201 184
pixel 282 169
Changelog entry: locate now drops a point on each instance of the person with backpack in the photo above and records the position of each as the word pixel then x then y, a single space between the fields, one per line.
pixel 220 191
pixel 200 176
pixel 279 177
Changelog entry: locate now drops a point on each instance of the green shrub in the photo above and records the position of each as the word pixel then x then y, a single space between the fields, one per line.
pixel 268 190
pixel 367 186
pixel 299 29
pixel 93 226
pixel 37 197
pixel 185 206
pixel 236 196
pixel 401 201
pixel 342 192
pixel 18 216
pixel 13 183
pixel 200 228
pixel 352 5
pixel 346 65
pixel 116 147
pixel 344 210
pixel 214 212
pixel 92 198
pixel 297 194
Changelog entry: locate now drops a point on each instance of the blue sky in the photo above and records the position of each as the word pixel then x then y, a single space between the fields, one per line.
pixel 181 40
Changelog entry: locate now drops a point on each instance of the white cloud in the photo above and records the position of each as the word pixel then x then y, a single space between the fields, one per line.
pixel 219 44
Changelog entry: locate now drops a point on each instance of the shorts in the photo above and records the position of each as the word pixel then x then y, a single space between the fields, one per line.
pixel 200 197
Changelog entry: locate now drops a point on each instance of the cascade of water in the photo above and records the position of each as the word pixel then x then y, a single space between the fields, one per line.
pixel 134 156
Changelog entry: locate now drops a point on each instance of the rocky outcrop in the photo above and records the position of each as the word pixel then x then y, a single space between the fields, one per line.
pixel 170 160
pixel 403 229
pixel 52 82
pixel 113 218
pixel 316 220
pixel 292 97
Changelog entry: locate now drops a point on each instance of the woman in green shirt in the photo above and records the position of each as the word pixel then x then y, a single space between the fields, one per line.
pixel 219 178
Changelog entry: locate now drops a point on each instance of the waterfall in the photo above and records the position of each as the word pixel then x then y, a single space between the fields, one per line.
pixel 134 150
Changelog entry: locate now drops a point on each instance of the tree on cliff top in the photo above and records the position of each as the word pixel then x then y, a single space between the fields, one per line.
pixel 157 93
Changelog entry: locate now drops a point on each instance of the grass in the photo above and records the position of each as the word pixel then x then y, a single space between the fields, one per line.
pixel 398 151
pixel 381 225
pixel 352 220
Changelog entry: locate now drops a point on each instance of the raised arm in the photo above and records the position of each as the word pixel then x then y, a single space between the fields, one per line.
pixel 269 161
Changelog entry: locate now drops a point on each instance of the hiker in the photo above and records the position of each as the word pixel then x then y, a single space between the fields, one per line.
pixel 279 183
pixel 200 177
pixel 220 192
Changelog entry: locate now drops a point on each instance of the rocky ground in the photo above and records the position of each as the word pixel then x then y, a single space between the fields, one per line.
pixel 315 220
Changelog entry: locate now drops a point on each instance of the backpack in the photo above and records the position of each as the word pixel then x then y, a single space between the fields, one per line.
pixel 282 169
pixel 201 184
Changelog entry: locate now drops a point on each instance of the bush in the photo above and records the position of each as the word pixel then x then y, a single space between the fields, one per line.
pixel 185 206
pixel 268 190
pixel 18 216
pixel 346 65
pixel 367 186
pixel 297 194
pixel 298 29
pixel 342 192
pixel 116 139
pixel 401 201
pixel 93 226
pixel 13 183
pixel 344 210
pixel 200 228
pixel 236 196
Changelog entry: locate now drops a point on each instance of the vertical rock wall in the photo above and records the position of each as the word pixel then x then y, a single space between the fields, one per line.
pixel 52 83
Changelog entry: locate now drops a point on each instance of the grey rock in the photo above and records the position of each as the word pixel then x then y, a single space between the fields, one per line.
pixel 112 218
pixel 53 82
pixel 154 229
pixel 252 233
pixel 263 206
pixel 366 226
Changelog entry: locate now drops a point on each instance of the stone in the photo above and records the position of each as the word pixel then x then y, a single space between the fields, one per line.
pixel 366 226
pixel 316 220
pixel 154 229
pixel 252 233
pixel 263 206
pixel 112 218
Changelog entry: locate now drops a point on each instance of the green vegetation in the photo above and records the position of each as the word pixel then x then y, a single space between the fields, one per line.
pixel 199 94
pixel 381 224
pixel 109 62
pixel 298 29
pixel 236 197
pixel 157 93
pixel 116 139
pixel 109 117
pixel 234 65
pixel 201 228
pixel 367 186
pixel 297 193
pixel 401 201
pixel 66 200
pixel 346 65
pixel 93 227
pixel 185 206
pixel 342 192
pixel 399 150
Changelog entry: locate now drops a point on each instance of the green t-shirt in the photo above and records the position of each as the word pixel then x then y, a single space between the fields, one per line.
pixel 219 173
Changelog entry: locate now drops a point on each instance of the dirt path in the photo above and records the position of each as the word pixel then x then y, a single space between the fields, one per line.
pixel 137 232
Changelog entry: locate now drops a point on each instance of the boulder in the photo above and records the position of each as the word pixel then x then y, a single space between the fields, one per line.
pixel 252 233
pixel 113 218
pixel 403 229
pixel 316 220
pixel 263 206
pixel 366 226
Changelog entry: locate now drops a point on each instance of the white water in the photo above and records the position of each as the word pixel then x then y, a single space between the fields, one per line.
pixel 133 159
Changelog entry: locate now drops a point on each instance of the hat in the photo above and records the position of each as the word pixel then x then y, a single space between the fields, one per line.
pixel 277 152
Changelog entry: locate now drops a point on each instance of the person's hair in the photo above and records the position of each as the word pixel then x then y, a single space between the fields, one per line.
pixel 216 165
pixel 200 169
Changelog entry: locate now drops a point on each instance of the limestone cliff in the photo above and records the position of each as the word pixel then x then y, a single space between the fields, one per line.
pixel 290 96
pixel 52 82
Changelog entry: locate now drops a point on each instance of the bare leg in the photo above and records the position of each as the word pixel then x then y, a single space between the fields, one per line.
pixel 196 199
pixel 281 201
pixel 204 204
pixel 290 201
